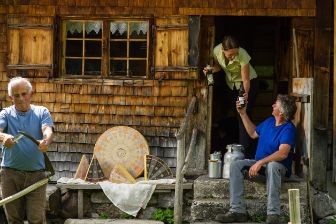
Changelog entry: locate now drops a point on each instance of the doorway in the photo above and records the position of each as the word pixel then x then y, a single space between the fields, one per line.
pixel 267 40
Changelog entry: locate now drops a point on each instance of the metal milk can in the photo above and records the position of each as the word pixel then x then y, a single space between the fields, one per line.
pixel 215 165
pixel 234 152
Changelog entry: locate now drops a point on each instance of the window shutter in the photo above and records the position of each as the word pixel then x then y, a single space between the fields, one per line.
pixel 171 43
pixel 30 43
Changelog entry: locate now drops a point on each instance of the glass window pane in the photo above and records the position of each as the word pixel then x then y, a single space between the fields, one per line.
pixel 73 66
pixel 93 29
pixel 137 67
pixel 74 29
pixel 92 67
pixel 118 67
pixel 118 30
pixel 74 48
pixel 118 49
pixel 138 49
pixel 138 30
pixel 93 48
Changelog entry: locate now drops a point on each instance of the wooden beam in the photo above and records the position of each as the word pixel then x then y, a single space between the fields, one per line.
pixel 322 43
pixel 294 206
pixel 334 104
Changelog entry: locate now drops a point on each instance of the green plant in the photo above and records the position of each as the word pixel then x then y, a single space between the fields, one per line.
pixel 332 221
pixel 258 218
pixel 164 215
pixel 104 215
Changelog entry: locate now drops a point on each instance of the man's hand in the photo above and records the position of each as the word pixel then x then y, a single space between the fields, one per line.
pixel 241 110
pixel 253 171
pixel 8 140
pixel 43 145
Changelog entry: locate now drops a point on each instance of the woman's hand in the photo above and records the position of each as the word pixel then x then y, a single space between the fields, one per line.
pixel 245 95
pixel 208 69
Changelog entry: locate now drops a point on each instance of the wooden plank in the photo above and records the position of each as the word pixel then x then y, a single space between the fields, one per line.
pixel 304 30
pixel 303 122
pixel 334 108
pixel 80 204
pixel 321 92
pixel 161 48
pixel 306 12
pixel 179 47
pixel 92 186
pixel 193 43
pixel 30 46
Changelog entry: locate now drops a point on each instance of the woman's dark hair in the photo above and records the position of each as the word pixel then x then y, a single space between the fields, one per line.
pixel 229 42
pixel 288 106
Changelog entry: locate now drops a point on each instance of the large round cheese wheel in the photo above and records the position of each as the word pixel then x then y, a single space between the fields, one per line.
pixel 121 145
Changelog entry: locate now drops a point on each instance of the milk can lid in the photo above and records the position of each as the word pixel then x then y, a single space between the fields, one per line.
pixel 234 147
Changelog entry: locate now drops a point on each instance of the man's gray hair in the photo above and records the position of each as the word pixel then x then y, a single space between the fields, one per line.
pixel 287 106
pixel 17 80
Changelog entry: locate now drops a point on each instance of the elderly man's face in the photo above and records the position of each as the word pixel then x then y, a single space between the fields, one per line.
pixel 276 108
pixel 21 97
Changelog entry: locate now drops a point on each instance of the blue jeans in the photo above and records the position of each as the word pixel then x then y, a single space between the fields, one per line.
pixel 275 172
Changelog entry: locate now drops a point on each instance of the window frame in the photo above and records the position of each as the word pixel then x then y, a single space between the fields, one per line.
pixel 105 56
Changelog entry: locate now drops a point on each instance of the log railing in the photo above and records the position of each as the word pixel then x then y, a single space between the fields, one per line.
pixel 182 160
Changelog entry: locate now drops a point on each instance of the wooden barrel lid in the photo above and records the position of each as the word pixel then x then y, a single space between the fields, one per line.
pixel 121 145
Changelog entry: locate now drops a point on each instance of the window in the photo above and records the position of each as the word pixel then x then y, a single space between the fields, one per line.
pixel 125 55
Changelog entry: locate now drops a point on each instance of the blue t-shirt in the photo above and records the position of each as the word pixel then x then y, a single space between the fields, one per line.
pixel 24 155
pixel 271 137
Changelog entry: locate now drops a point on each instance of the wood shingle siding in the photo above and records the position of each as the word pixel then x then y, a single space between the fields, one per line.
pixel 83 109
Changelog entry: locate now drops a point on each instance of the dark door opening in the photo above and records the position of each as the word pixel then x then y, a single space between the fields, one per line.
pixel 264 38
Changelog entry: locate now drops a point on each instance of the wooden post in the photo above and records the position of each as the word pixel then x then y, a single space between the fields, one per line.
pixel 190 151
pixel 180 137
pixel 80 204
pixel 296 57
pixel 294 206
pixel 319 156
pixel 209 120
pixel 179 181
pixel 334 103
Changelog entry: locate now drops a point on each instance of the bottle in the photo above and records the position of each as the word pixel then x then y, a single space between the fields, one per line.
pixel 241 98
pixel 210 75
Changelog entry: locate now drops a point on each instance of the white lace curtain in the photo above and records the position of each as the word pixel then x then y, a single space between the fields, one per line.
pixel 121 27
pixel 77 27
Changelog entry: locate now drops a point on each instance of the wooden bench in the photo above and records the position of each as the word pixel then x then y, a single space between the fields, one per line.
pixel 81 187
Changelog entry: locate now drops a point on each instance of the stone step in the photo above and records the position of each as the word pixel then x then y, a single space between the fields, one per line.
pixel 205 187
pixel 207 209
pixel 112 221
pixel 214 222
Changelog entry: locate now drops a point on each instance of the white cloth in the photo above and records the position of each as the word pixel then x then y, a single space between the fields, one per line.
pixel 129 198
pixel 66 180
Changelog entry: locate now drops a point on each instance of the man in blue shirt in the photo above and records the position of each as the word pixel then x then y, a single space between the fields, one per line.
pixel 23 161
pixel 274 155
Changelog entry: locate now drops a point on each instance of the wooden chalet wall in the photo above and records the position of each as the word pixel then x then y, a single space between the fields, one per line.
pixel 84 109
